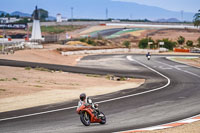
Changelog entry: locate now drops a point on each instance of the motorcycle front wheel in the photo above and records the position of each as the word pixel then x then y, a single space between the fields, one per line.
pixel 103 118
pixel 85 118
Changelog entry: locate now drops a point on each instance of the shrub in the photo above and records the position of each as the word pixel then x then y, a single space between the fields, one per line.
pixel 14 79
pixel 144 42
pixel 27 68
pixel 127 44
pixel 189 43
pixel 83 40
pixel 91 42
pixel 181 40
pixel 88 41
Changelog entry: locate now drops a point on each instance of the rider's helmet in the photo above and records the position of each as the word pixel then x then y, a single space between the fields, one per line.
pixel 82 96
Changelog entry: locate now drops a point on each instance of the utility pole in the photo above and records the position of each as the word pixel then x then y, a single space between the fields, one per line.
pixel 106 13
pixel 182 15
pixel 131 16
pixel 72 15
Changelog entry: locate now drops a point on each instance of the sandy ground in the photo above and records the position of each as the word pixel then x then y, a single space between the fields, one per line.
pixel 174 34
pixel 22 88
pixel 192 62
pixel 47 55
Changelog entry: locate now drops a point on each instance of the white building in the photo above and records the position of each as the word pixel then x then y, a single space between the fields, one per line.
pixel 59 18
pixel 9 19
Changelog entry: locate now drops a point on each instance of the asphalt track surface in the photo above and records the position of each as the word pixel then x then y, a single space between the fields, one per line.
pixel 178 100
pixel 106 32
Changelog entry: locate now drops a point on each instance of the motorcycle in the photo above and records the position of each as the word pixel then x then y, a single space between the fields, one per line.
pixel 149 57
pixel 90 114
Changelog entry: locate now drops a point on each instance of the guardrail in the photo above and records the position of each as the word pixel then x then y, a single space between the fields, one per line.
pixel 195 50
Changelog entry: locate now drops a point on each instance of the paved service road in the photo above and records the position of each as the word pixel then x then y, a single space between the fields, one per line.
pixel 176 96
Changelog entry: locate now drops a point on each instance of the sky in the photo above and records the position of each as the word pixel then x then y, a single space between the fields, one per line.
pixel 173 5
pixel 64 6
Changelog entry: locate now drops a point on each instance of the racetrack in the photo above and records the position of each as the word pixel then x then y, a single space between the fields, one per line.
pixel 175 96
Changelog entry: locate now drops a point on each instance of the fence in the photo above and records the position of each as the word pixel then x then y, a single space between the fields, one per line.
pixel 51 38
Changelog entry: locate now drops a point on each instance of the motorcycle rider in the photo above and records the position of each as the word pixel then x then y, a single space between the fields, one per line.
pixel 148 55
pixel 84 100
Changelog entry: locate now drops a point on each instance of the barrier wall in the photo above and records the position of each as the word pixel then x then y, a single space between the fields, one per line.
pixel 123 50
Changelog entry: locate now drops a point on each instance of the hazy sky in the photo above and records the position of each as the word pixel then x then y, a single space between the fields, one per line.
pixel 63 6
pixel 174 5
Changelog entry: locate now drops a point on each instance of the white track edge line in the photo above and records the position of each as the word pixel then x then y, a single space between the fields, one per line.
pixel 56 110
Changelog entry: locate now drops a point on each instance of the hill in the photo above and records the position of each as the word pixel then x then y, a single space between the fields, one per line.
pixel 21 14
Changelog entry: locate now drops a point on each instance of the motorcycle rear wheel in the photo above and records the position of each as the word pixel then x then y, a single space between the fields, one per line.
pixel 85 118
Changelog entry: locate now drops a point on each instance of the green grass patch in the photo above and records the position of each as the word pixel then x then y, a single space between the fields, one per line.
pixel 2 89
pixel 93 75
pixel 1 48
pixel 38 86
pixel 14 79
pixel 6 79
pixel 58 29
pixel 108 76
pixel 27 68
pixel 42 69
pixel 123 78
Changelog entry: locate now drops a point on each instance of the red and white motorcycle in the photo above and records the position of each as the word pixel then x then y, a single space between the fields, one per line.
pixel 90 114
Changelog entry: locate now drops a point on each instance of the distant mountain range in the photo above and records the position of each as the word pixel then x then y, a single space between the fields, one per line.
pixel 21 14
pixel 3 12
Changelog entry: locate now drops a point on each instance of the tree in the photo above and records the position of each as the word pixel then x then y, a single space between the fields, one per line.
pixel 167 43
pixel 144 42
pixel 43 14
pixel 181 40
pixel 2 15
pixel 189 43
pixel 7 15
pixel 196 20
pixel 127 44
